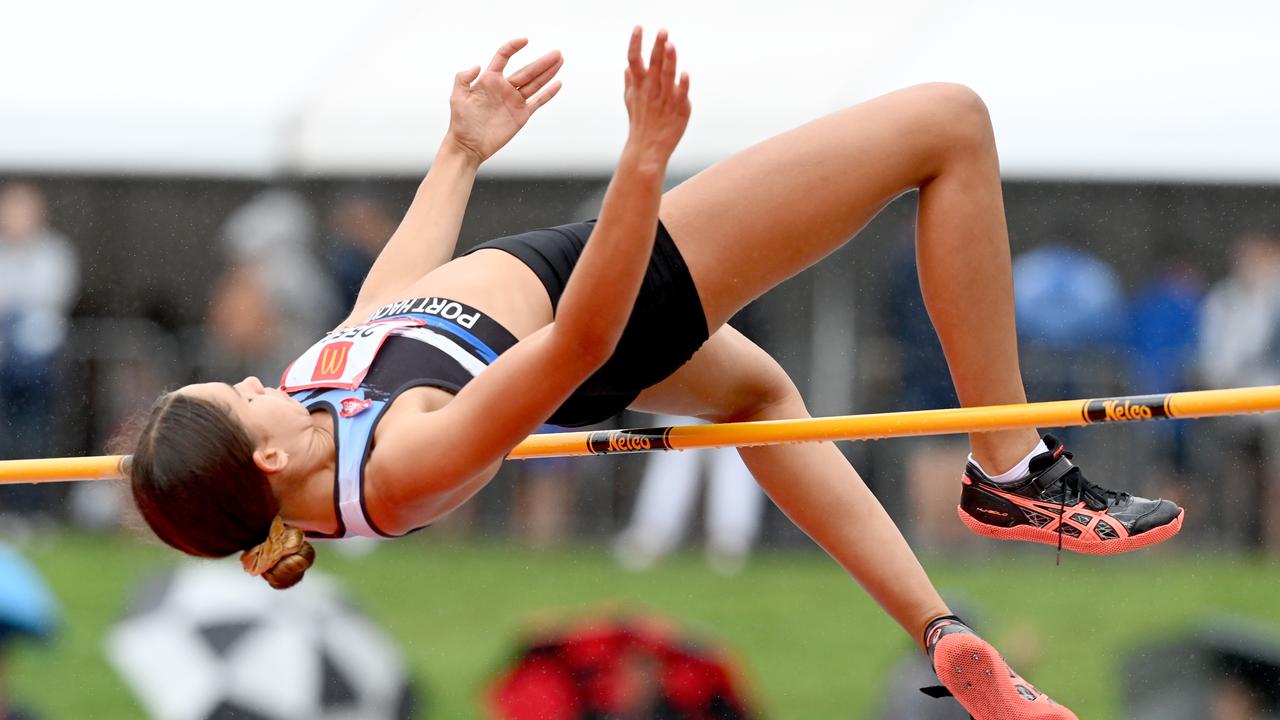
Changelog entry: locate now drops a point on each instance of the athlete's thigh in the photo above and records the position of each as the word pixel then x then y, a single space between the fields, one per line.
pixel 766 213
pixel 728 377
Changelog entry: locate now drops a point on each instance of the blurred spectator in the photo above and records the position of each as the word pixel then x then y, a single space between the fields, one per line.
pixel 1241 342
pixel 275 297
pixel 1232 700
pixel 668 494
pixel 1067 299
pixel 1240 346
pixel 933 464
pixel 1228 670
pixel 27 609
pixel 1164 326
pixel 39 283
pixel 360 226
pixel 1071 322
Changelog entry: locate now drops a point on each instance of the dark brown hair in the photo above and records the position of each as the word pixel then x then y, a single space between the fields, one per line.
pixel 196 484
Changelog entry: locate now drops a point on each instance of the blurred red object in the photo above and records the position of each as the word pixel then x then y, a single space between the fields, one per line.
pixel 623 668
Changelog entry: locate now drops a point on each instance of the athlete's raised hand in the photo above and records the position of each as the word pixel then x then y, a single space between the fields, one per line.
pixel 488 108
pixel 657 103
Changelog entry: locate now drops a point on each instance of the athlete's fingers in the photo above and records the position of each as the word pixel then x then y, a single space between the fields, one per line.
pixel 466 77
pixel 534 85
pixel 668 69
pixel 682 92
pixel 659 47
pixel 634 64
pixel 543 97
pixel 509 48
pixel 527 73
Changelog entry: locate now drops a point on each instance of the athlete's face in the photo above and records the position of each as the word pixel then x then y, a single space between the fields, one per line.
pixel 269 414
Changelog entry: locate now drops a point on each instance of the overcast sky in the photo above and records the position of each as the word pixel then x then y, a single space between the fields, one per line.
pixel 1090 89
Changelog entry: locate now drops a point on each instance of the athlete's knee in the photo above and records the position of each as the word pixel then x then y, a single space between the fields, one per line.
pixel 963 99
pixel 961 114
pixel 767 394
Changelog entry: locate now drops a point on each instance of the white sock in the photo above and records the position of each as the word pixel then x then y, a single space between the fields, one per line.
pixel 1019 470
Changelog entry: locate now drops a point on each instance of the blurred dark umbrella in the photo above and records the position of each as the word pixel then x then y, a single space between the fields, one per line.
pixel 208 642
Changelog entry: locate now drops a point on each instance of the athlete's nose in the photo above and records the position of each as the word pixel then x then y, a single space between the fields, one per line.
pixel 253 385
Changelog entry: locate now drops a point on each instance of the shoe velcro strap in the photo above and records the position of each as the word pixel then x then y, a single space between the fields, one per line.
pixel 1054 473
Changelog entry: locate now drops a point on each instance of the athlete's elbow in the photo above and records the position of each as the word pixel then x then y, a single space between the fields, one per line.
pixel 595 349
pixel 587 346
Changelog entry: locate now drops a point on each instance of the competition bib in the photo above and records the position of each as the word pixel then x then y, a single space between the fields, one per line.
pixel 342 358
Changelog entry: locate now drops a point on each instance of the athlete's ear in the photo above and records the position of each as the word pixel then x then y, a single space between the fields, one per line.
pixel 270 460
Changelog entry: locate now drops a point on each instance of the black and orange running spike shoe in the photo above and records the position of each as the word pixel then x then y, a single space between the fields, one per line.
pixel 1055 505
pixel 979 679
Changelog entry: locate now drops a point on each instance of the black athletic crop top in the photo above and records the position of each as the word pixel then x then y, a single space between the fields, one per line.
pixel 355 374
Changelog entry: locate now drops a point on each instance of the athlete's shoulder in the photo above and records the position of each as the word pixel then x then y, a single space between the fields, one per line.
pixel 409 479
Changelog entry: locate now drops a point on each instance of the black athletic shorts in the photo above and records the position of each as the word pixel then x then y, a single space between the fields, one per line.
pixel 666 327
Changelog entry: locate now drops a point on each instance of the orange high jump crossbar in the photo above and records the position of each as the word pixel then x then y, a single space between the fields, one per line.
pixel 1061 413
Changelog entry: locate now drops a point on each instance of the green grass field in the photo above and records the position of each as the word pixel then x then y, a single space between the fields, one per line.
pixel 814 644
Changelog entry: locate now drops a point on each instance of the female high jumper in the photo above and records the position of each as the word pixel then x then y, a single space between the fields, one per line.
pixel 406 409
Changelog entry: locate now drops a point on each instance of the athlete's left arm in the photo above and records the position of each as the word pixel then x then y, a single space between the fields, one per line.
pixel 487 109
pixel 432 461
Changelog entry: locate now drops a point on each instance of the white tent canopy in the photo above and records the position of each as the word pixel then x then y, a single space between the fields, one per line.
pixel 1093 89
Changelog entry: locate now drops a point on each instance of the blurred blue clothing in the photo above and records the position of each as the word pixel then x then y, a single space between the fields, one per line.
pixel 1070 312
pixel 1067 298
pixel 1164 332
pixel 27 383
pixel 1164 335
pixel 27 607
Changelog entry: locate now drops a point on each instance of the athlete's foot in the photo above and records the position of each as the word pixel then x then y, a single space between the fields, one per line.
pixel 980 680
pixel 1053 504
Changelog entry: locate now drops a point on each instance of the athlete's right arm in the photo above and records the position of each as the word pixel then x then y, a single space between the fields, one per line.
pixel 523 387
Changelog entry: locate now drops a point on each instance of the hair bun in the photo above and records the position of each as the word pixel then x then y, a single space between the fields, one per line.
pixel 288 571
pixel 282 558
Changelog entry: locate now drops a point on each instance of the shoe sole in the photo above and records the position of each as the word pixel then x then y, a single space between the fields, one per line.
pixel 1028 533
pixel 980 681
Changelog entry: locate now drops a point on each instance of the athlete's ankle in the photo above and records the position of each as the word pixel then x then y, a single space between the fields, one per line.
pixel 929 636
pixel 1007 459
pixel 1017 471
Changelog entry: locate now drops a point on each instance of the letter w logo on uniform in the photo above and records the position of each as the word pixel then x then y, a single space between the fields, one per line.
pixel 332 361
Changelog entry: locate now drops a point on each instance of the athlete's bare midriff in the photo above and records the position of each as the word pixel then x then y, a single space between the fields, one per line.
pixel 492 281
